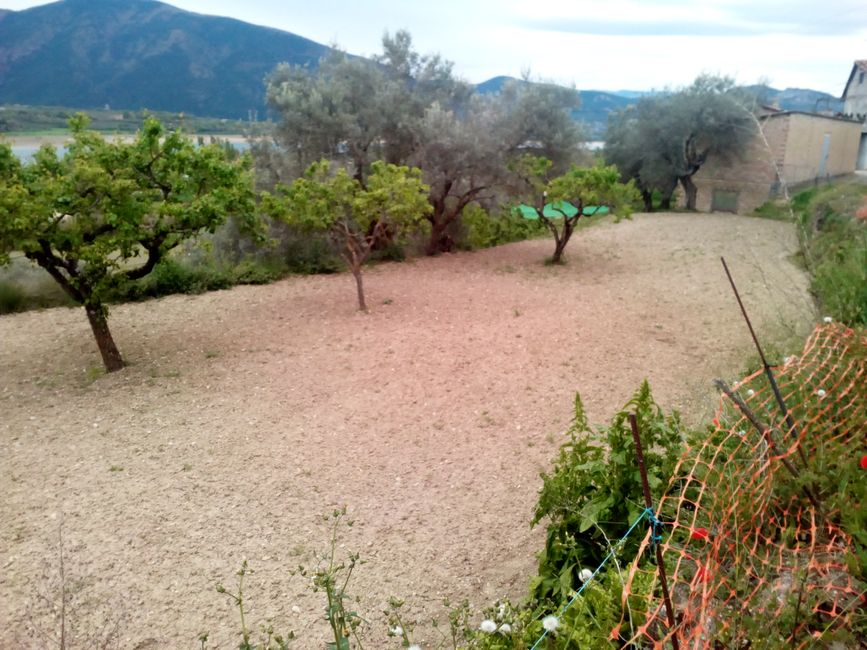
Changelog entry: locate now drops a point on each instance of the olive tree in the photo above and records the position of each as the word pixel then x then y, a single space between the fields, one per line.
pixel 561 202
pixel 107 212
pixel 354 216
pixel 673 135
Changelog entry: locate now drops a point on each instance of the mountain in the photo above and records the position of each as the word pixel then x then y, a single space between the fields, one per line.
pixel 133 54
pixel 596 105
pixel 798 99
pixel 592 112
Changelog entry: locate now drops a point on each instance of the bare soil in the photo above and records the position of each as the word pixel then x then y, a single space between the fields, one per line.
pixel 244 415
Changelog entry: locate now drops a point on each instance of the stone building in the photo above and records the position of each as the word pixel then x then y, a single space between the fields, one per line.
pixel 789 146
pixel 855 105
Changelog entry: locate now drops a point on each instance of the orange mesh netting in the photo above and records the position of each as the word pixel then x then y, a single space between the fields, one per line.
pixel 755 554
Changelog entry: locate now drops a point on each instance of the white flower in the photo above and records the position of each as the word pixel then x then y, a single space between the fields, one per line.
pixel 750 392
pixel 787 359
pixel 505 628
pixel 397 630
pixel 550 623
pixel 488 626
pixel 585 575
pixel 821 392
pixel 828 319
pixel 414 646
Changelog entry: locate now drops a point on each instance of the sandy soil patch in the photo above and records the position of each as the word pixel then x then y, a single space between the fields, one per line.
pixel 246 414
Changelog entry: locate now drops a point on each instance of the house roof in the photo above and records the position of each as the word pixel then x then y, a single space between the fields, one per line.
pixel 859 66
pixel 821 116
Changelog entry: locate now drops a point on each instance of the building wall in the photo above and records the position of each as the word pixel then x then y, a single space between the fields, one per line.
pixel 856 94
pixel 753 177
pixel 794 144
pixel 806 147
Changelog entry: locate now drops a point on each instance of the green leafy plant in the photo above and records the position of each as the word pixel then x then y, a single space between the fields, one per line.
pixel 594 492
pixel 332 577
pixel 269 639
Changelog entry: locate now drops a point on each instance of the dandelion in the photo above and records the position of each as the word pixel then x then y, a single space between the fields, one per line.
pixel 397 630
pixel 414 646
pixel 751 392
pixel 550 623
pixel 585 575
pixel 505 629
pixel 488 626
pixel 821 392
pixel 828 319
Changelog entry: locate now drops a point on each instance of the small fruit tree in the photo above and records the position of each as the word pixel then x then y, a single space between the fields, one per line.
pixel 106 212
pixel 561 202
pixel 394 201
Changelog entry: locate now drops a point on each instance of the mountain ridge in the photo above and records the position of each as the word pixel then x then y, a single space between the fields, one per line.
pixel 135 54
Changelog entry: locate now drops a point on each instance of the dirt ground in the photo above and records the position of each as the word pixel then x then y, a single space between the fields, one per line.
pixel 246 414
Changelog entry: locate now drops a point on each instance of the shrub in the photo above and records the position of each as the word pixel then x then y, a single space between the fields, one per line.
pixel 483 230
pixel 12 298
pixel 594 492
pixel 834 247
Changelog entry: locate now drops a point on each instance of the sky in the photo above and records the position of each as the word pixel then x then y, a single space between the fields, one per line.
pixel 593 44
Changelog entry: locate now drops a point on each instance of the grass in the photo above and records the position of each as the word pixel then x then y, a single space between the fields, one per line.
pixel 833 246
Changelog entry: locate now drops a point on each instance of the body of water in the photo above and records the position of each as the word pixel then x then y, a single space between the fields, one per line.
pixel 25 152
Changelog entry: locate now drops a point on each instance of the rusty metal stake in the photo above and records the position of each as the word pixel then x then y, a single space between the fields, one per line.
pixel 790 423
pixel 648 503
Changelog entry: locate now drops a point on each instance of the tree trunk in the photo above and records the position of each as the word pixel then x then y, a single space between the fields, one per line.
pixel 647 197
pixel 99 324
pixel 665 202
pixel 359 286
pixel 690 190
pixel 440 241
pixel 568 229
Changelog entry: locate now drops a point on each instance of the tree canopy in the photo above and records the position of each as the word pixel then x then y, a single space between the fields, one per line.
pixel 666 139
pixel 406 108
pixel 353 215
pixel 560 202
pixel 105 212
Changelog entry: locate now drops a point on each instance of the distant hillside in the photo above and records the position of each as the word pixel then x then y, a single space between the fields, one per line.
pixel 798 99
pixel 592 113
pixel 596 105
pixel 133 54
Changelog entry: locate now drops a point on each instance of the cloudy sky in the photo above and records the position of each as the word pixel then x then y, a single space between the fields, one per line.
pixel 595 44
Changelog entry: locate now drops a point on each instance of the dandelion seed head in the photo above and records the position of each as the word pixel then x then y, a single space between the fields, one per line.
pixel 821 392
pixel 828 319
pixel 750 392
pixel 414 646
pixel 397 630
pixel 550 623
pixel 505 628
pixel 488 626
pixel 585 575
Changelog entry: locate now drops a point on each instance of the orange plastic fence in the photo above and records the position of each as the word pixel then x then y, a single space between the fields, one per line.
pixel 750 559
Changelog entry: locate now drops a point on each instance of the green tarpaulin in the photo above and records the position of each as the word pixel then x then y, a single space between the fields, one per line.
pixel 557 210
